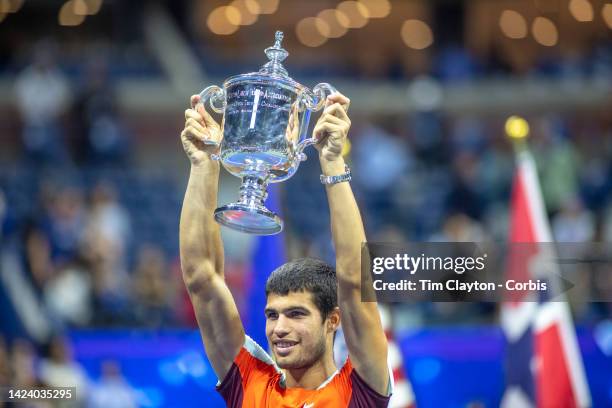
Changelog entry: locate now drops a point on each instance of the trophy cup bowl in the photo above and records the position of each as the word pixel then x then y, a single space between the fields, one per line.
pixel 265 123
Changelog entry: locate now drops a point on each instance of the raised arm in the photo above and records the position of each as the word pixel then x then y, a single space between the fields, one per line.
pixel 201 247
pixel 365 338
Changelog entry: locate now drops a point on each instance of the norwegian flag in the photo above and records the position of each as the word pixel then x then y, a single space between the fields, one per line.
pixel 543 363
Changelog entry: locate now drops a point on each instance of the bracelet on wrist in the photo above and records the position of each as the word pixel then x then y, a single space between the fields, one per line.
pixel 346 176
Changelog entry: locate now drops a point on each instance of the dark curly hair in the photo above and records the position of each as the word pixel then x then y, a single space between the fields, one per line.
pixel 306 275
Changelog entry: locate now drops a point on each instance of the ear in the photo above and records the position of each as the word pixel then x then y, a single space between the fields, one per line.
pixel 333 320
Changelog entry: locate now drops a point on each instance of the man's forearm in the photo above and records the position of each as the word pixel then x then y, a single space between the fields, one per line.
pixel 346 225
pixel 201 247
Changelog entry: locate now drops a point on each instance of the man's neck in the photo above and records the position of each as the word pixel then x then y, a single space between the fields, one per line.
pixel 312 377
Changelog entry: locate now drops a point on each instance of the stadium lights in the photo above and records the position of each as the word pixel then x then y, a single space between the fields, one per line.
pixel 224 20
pixel 268 6
pixel 545 32
pixel 356 12
pixel 73 12
pixel 92 7
pixel 79 7
pixel 312 31
pixel 416 34
pixel 337 22
pixel 249 11
pixel 582 10
pixel 606 14
pixel 68 16
pixel 513 24
pixel 377 8
pixel 9 6
pixel 334 23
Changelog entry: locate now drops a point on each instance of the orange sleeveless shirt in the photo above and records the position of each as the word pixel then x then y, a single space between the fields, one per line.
pixel 255 381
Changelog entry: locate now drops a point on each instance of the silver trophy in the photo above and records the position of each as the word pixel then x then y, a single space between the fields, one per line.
pixel 265 122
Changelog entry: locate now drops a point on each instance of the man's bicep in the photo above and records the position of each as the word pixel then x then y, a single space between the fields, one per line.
pixel 219 322
pixel 365 339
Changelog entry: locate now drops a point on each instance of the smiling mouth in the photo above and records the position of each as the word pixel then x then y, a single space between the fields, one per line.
pixel 283 348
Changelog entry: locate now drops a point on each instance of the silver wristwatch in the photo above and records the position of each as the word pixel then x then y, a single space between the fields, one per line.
pixel 346 176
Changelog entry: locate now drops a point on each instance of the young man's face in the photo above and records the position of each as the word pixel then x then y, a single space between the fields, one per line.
pixel 295 330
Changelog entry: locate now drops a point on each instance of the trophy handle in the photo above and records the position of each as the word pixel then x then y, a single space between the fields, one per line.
pixel 314 102
pixel 213 95
pixel 321 92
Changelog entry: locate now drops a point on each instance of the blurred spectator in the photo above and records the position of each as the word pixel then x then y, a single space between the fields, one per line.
pixel 109 221
pixel 101 137
pixel 573 223
pixel 37 256
pixel 68 294
pixel 455 64
pixel 557 162
pixel 42 98
pixel 380 159
pixel 467 135
pixel 461 228
pixel 154 292
pixel 60 370
pixel 112 391
pixel 110 284
pixel 466 195
pixel 64 221
pixel 427 137
pixel 595 154
pixel 23 364
pixel 497 221
pixel 496 165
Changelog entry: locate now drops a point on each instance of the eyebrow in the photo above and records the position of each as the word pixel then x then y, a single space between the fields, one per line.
pixel 288 309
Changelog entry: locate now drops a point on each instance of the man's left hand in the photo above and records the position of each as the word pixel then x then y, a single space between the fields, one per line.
pixel 332 128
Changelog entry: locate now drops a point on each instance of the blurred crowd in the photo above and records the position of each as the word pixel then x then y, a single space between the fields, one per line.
pixel 46 98
pixel 22 366
pixel 75 246
pixel 87 239
pixel 90 239
pixel 69 254
pixel 96 235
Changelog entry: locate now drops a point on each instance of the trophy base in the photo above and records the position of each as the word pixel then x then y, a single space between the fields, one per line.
pixel 252 220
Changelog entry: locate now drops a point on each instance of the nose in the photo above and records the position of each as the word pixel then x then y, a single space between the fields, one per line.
pixel 281 326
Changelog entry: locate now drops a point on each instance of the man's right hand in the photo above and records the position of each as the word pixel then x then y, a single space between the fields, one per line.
pixel 200 127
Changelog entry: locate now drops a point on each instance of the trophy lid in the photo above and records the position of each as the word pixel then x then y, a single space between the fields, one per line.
pixel 276 55
pixel 272 70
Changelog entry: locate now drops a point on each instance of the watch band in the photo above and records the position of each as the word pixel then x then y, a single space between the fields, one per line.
pixel 346 176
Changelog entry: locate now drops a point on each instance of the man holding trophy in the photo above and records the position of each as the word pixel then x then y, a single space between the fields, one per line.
pixel 306 299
